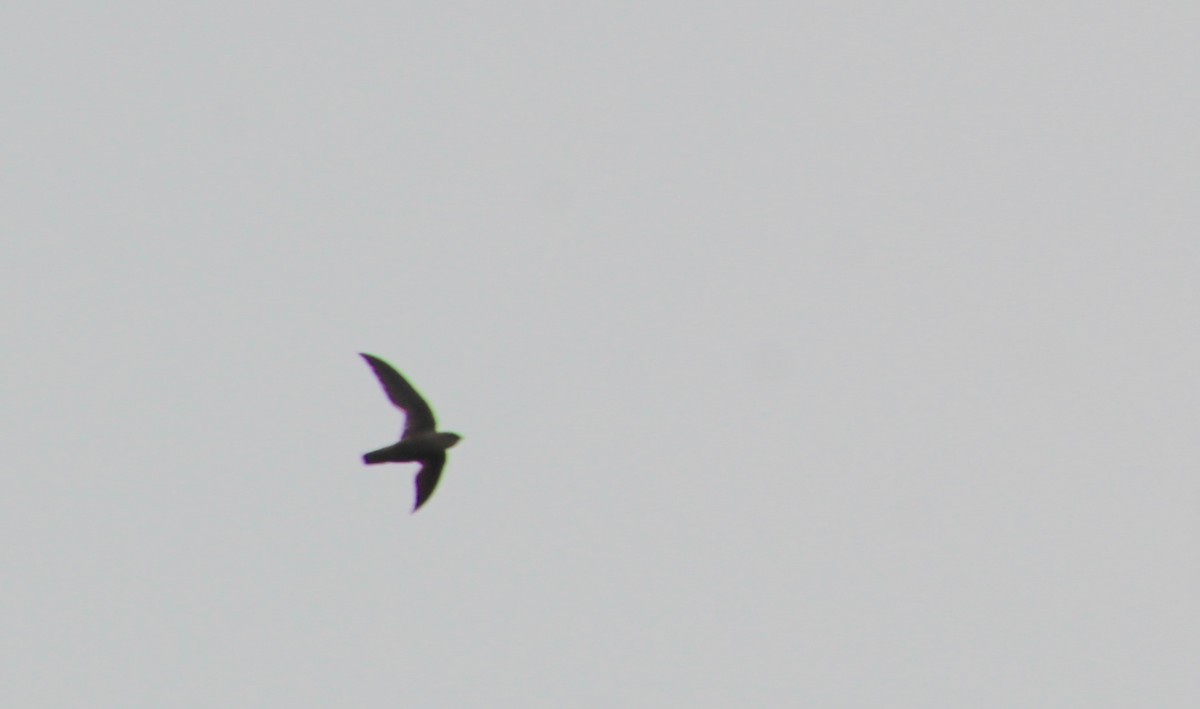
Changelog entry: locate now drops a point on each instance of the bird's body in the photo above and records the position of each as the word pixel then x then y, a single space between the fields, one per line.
pixel 409 449
pixel 421 441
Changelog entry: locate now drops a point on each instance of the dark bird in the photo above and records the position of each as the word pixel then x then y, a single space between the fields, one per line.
pixel 421 441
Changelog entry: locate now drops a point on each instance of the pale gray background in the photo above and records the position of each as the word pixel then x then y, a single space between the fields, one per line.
pixel 807 354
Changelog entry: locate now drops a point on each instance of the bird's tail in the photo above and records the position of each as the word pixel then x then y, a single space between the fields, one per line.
pixel 374 457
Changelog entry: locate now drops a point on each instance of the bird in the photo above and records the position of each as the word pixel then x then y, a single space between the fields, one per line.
pixel 421 441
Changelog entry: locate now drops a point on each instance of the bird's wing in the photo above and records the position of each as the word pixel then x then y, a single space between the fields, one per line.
pixel 401 393
pixel 427 479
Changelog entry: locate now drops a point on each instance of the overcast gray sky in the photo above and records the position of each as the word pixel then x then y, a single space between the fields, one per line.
pixel 806 354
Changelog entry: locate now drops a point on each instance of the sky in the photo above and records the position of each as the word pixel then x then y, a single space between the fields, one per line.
pixel 804 354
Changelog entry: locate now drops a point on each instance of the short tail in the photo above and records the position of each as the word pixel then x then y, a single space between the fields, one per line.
pixel 375 457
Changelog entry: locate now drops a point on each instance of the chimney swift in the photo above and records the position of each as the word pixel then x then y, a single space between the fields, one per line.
pixel 421 441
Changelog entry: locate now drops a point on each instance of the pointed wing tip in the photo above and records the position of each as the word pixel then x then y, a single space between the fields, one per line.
pixel 427 479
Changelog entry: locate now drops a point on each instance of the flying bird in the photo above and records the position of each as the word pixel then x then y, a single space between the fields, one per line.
pixel 421 441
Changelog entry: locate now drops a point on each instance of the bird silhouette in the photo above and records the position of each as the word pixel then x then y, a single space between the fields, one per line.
pixel 421 441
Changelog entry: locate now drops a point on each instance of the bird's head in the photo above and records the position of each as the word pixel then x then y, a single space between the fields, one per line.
pixel 447 440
